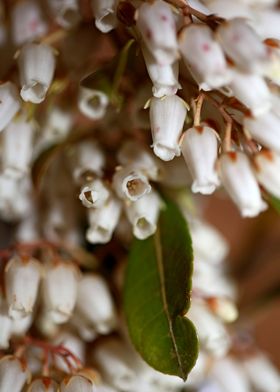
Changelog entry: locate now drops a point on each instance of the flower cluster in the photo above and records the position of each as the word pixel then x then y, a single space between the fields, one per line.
pixel 97 125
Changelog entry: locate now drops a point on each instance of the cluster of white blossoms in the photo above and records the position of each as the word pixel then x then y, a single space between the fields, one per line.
pixel 102 153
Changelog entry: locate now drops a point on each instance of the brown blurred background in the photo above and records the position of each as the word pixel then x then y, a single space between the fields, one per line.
pixel 255 264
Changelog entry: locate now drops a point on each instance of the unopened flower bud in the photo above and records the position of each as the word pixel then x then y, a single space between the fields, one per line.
pixel 27 22
pixel 66 12
pixel 17 148
pixel 36 66
pixel 130 183
pixel 89 158
pixel 94 194
pixel 9 103
pixel 164 77
pixel 167 116
pixel 243 45
pixel 143 215
pixel 13 374
pixel 135 155
pixel 200 150
pixel 204 56
pixel 252 91
pixel 60 290
pixel 92 103
pixel 238 178
pixel 43 385
pixel 77 383
pixel 212 333
pixel 95 303
pixel 103 221
pixel 105 14
pixel 262 373
pixel 267 170
pixel 115 362
pixel 223 308
pixel 22 278
pixel 152 19
pixel 264 129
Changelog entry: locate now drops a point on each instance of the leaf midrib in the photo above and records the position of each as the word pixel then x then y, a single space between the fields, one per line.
pixel 159 259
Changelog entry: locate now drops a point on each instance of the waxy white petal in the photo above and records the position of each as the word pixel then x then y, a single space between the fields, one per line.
pixel 152 19
pixel 200 150
pixel 22 278
pixel 143 215
pixel 95 303
pixel 167 116
pixel 238 178
pixel 36 66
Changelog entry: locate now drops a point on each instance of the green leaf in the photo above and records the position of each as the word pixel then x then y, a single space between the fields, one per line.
pixel 274 202
pixel 157 295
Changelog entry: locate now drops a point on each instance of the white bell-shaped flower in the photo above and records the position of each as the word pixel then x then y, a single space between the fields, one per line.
pixel 104 388
pixel 163 76
pixel 22 278
pixel 136 155
pixel 267 170
pixel 167 116
pixel 116 363
pixel 13 374
pixel 60 286
pixel 230 376
pixel 143 215
pixel 152 19
pixel 252 91
pixel 266 22
pixel 209 282
pixel 9 103
pixel 264 129
pixel 95 303
pixel 66 12
pixel 89 158
pixel 43 385
pixel 92 103
pixel 5 325
pixel 130 183
pixel 21 326
pixel 77 383
pixel 83 326
pixel 200 150
pixel 211 331
pixel 263 375
pixel 208 243
pixel 104 12
pixel 103 221
pixel 94 194
pixel 17 147
pixel 27 22
pixel 36 66
pixel 229 9
pixel 243 45
pixel 204 56
pixel 239 180
pixel 72 343
pixel 56 128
